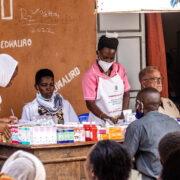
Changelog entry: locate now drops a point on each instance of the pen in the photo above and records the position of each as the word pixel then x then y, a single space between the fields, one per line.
pixel 12 113
pixel 15 119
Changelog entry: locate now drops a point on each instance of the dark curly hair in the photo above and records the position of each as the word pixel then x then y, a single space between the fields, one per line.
pixel 110 161
pixel 43 73
pixel 171 167
pixel 169 143
pixel 105 42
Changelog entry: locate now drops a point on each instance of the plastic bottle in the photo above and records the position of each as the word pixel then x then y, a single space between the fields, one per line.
pixel 93 130
pixel 82 135
pixel 76 134
pixel 14 133
pixel 85 127
pixel 87 131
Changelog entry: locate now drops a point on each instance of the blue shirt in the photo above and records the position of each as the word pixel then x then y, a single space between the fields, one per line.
pixel 142 138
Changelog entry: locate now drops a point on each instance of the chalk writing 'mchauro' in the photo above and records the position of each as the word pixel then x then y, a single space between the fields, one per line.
pixel 15 43
pixel 67 78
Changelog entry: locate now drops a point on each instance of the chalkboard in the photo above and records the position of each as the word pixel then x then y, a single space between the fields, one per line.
pixel 55 34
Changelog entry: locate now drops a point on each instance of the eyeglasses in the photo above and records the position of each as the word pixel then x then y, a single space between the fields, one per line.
pixel 156 80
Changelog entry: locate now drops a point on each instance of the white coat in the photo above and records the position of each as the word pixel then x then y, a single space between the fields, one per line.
pixel 30 110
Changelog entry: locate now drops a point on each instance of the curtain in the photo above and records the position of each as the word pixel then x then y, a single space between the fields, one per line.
pixel 155 47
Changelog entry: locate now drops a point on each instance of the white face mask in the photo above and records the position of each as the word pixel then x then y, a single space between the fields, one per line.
pixel 105 65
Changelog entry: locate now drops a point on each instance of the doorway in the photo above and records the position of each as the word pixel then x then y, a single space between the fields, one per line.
pixel 171 28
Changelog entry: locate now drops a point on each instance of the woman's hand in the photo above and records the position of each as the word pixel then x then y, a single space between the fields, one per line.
pixel 91 105
pixel 121 116
pixel 114 120
pixel 5 120
pixel 4 129
pixel 104 117
pixel 11 120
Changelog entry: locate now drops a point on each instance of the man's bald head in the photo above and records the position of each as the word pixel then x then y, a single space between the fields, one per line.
pixel 150 98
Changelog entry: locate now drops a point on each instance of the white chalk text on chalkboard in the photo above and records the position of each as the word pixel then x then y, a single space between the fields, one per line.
pixel 3 10
pixel 39 20
pixel 15 43
pixel 67 78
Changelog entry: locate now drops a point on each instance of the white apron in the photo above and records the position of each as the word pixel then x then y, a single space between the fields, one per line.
pixel 109 98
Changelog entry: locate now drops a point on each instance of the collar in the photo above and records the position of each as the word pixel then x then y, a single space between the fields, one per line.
pixel 99 73
pixel 152 112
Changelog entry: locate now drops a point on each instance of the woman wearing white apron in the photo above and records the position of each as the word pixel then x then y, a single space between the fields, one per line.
pixel 105 85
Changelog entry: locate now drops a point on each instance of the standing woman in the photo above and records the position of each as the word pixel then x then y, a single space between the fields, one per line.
pixel 105 84
pixel 8 71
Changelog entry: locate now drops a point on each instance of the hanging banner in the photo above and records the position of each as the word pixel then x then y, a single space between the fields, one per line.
pixel 138 6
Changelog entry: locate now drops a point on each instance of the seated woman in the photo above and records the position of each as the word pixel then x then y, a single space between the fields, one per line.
pixel 47 102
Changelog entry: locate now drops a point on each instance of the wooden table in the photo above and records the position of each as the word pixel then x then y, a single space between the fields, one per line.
pixel 61 161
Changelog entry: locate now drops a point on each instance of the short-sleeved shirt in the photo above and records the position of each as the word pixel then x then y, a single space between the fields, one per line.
pixel 142 138
pixel 91 79
pixel 169 108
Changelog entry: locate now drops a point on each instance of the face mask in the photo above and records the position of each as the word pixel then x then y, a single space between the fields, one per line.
pixel 41 97
pixel 139 115
pixel 105 65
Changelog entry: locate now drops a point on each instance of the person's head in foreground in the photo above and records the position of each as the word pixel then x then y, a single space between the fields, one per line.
pixel 106 52
pixel 171 166
pixel 151 77
pixel 108 160
pixel 168 144
pixel 148 99
pixel 8 70
pixel 44 83
pixel 24 166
